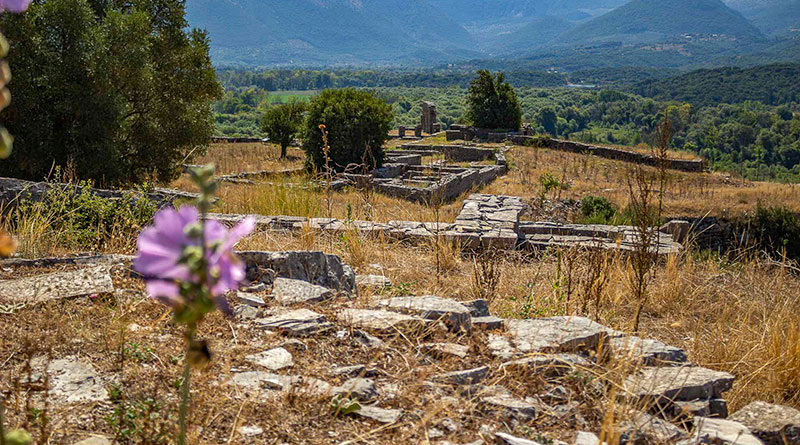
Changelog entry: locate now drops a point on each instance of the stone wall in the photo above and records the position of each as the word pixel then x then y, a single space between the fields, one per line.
pixel 469 134
pixel 485 222
pixel 13 190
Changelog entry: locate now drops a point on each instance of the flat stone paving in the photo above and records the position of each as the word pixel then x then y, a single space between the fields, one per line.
pixel 557 334
pixel 41 288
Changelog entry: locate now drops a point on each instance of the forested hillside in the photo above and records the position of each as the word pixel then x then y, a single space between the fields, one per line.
pixel 772 85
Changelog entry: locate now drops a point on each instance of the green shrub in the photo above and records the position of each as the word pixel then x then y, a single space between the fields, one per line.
pixel 597 209
pixel 357 125
pixel 73 218
pixel 775 228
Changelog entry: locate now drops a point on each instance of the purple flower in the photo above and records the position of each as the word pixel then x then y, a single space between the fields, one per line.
pixel 14 5
pixel 162 249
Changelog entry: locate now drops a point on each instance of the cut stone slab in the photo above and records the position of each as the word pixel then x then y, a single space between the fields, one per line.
pixel 249 299
pixel 274 359
pixel 648 351
pixel 584 438
pixel 667 384
pixel 557 334
pixel 250 430
pixel 73 380
pixel 516 408
pixel 373 281
pixel 477 308
pixel 644 428
pixel 488 323
pixel 37 289
pixel 720 431
pixel 94 440
pixel 379 414
pixel 298 323
pixel 379 321
pixel 258 381
pixel 454 314
pixel 445 349
pixel 361 389
pixel 688 410
pixel 507 439
pixel 466 377
pixel 288 291
pixel 549 364
pixel 770 423
pixel 314 267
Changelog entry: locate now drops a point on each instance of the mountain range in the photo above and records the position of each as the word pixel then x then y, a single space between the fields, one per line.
pixel 426 32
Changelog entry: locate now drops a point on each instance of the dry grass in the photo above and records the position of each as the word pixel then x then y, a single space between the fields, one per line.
pixel 737 315
pixel 686 194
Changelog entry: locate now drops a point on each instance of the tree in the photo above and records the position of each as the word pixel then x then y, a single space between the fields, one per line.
pixel 118 91
pixel 548 120
pixel 282 122
pixel 492 103
pixel 357 125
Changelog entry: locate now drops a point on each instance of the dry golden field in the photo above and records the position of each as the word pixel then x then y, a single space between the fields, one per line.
pixel 732 313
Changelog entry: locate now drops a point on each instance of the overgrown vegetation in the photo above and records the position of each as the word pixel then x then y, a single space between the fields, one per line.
pixel 774 229
pixel 72 218
pixel 357 125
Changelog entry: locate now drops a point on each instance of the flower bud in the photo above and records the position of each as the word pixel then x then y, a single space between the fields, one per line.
pixel 3 46
pixel 6 141
pixel 5 73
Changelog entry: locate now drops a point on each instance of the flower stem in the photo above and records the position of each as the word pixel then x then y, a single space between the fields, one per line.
pixel 185 384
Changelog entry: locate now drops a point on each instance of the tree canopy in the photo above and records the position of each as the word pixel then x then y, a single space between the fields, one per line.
pixel 357 125
pixel 492 103
pixel 116 92
pixel 282 122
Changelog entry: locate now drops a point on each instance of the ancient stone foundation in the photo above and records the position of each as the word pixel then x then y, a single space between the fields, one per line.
pixel 485 222
pixel 470 134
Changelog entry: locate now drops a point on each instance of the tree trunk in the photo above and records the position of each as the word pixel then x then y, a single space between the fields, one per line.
pixel 283 149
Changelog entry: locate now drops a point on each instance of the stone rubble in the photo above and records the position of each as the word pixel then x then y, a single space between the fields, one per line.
pixel 557 334
pixel 71 380
pixel 298 323
pixel 381 322
pixel 273 359
pixel 720 432
pixel 288 292
pixel 451 312
pixel 373 281
pixel 549 348
pixel 770 423
pixel 387 416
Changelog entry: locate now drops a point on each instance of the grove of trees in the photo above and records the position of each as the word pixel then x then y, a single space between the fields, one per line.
pixel 116 92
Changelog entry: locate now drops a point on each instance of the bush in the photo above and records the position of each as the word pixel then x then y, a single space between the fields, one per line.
pixel 776 229
pixel 492 103
pixel 357 125
pixel 72 219
pixel 597 208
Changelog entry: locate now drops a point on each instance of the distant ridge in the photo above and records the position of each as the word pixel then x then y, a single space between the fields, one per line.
pixel 654 21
